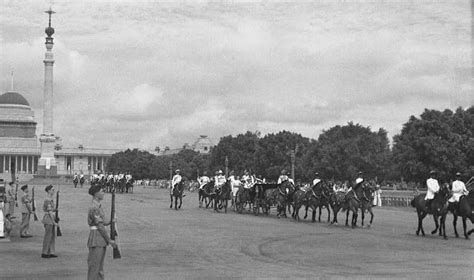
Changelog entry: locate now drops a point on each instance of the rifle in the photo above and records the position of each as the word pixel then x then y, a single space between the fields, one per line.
pixel 16 194
pixel 33 204
pixel 113 227
pixel 56 217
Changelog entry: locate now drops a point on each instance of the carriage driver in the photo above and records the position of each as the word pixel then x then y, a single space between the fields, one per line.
pixel 458 189
pixel 203 180
pixel 432 188
pixel 176 179
pixel 220 180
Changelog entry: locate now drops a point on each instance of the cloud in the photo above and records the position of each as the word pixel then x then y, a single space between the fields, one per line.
pixel 160 73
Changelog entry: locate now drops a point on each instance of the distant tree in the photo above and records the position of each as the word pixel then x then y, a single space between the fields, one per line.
pixel 134 161
pixel 157 149
pixel 442 141
pixel 342 151
pixel 239 150
pixel 273 154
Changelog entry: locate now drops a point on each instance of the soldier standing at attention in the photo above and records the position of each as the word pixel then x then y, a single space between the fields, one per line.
pixel 10 209
pixel 98 237
pixel 25 212
pixel 49 225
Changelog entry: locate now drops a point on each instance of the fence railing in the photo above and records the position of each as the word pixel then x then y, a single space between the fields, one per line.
pixel 398 198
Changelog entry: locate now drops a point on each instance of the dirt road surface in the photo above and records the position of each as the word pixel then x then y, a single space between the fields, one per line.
pixel 191 243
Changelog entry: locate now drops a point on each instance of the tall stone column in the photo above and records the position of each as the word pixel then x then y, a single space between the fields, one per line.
pixel 47 163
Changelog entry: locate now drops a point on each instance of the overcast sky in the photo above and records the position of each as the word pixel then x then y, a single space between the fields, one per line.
pixel 148 73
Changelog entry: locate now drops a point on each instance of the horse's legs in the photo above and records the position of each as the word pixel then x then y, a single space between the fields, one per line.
pixel 329 213
pixel 443 226
pixel 435 218
pixel 371 216
pixel 464 227
pixel 455 219
pixel 313 216
pixel 347 217
pixel 354 218
pixel 171 197
pixel 362 210
pixel 180 201
pixel 421 216
pixel 306 212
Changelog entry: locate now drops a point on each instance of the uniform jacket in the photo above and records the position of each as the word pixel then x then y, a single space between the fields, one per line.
pixel 48 208
pixel 433 187
pixel 25 203
pixel 96 218
pixel 458 189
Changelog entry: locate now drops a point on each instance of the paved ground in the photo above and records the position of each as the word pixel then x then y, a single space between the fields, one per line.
pixel 193 243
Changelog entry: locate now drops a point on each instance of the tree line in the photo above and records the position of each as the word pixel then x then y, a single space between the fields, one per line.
pixel 437 140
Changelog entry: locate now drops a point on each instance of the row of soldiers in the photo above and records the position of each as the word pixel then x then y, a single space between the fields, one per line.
pixel 28 209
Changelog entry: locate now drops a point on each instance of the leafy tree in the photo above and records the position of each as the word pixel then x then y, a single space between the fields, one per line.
pixel 442 141
pixel 342 151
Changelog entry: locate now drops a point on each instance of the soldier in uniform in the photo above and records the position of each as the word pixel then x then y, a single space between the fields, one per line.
pixel 458 189
pixel 49 240
pixel 316 180
pixel 432 188
pixel 203 180
pixel 98 237
pixel 220 180
pixel 247 180
pixel 176 179
pixel 26 211
pixel 10 192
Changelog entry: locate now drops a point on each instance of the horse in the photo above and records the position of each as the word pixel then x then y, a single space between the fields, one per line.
pixel 336 201
pixel 177 193
pixel 366 200
pixel 325 201
pixel 81 181
pixel 310 198
pixel 244 196
pixel 439 209
pixel 289 189
pixel 464 209
pixel 129 185
pixel 222 197
pixel 75 180
pixel 206 194
pixel 263 199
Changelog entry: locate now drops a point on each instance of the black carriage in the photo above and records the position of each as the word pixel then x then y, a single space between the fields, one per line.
pixel 264 197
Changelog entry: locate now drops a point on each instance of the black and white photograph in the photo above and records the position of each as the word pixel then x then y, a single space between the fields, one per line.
pixel 236 139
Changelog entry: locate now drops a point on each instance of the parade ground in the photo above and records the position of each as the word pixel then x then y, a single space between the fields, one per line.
pixel 192 243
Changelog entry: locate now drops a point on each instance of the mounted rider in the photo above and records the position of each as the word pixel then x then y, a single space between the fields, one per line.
pixel 357 184
pixel 220 180
pixel 203 180
pixel 176 179
pixel 317 180
pixel 458 189
pixel 247 180
pixel 432 188
pixel 284 177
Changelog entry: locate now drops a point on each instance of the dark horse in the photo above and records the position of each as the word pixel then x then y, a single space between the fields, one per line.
pixel 75 181
pixel 245 196
pixel 81 181
pixel 222 197
pixel 206 194
pixel 325 200
pixel 366 202
pixel 177 193
pixel 439 209
pixel 464 209
pixel 310 199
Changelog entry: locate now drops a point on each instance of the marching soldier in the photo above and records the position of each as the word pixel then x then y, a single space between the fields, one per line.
pixel 432 188
pixel 458 189
pixel 49 240
pixel 98 237
pixel 26 211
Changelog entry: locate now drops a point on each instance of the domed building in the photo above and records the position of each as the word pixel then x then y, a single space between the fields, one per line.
pixel 20 148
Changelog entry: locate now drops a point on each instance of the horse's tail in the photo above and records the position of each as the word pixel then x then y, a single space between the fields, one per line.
pixel 412 203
